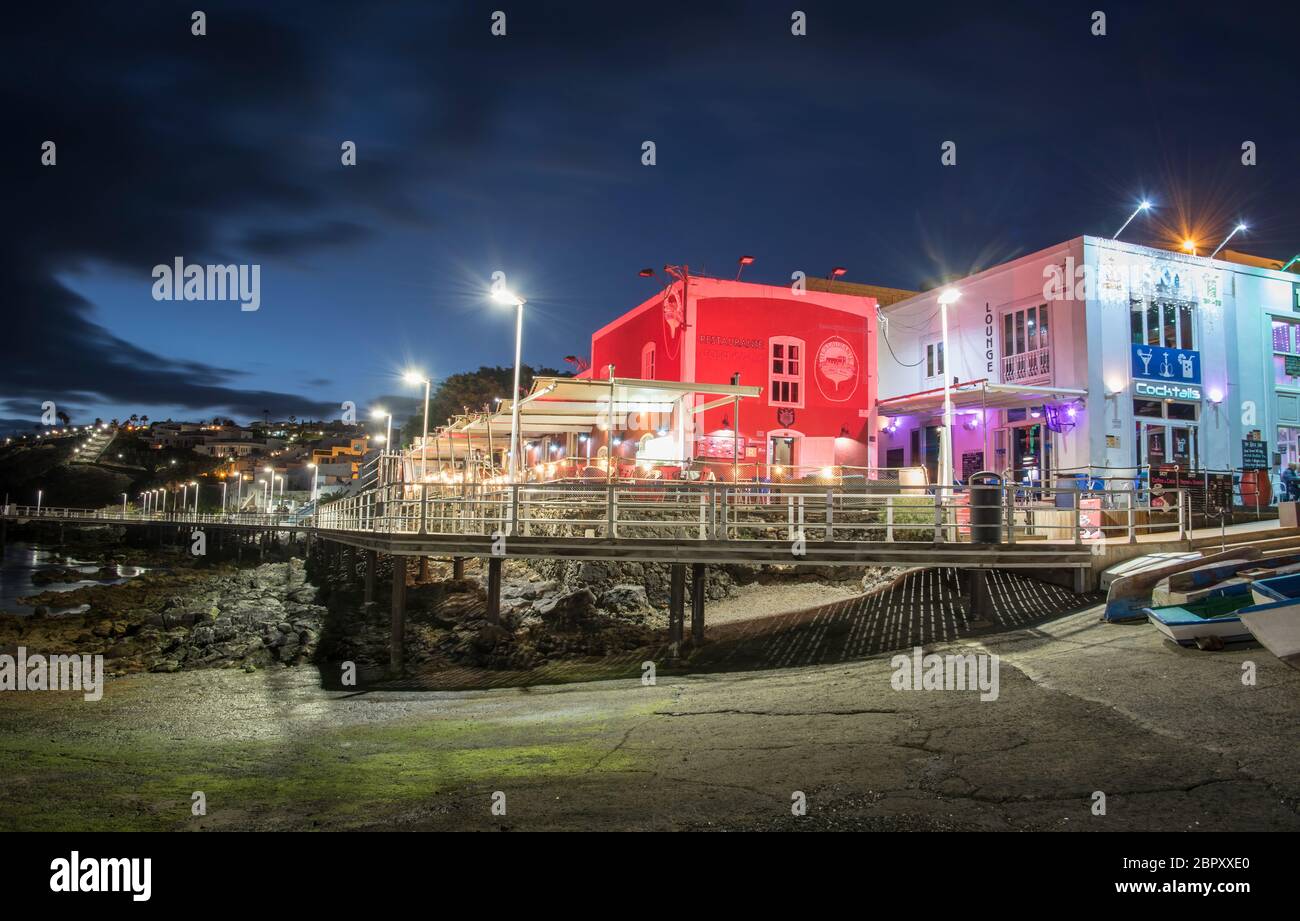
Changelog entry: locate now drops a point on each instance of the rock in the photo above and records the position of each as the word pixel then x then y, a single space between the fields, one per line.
pixel 567 609
pixel 624 599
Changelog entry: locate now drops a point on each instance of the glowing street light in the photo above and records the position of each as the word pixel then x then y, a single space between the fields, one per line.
pixel 124 505
pixel 380 412
pixel 196 496
pixel 315 476
pixel 1142 206
pixel 1189 245
pixel 413 378
pixel 1235 230
pixel 504 295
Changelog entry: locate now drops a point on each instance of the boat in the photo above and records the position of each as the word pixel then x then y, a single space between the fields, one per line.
pixel 1276 588
pixel 1275 619
pixel 1215 616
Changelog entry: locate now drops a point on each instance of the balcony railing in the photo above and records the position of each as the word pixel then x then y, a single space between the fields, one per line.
pixel 1027 366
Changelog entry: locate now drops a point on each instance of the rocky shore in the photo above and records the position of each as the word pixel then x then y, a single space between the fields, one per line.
pixel 165 622
pixel 217 615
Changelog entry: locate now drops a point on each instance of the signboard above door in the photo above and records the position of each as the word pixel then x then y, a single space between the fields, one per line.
pixel 1156 363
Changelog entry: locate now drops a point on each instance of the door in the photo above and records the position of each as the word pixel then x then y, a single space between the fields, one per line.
pixel 894 458
pixel 1030 457
pixel 780 451
pixel 933 437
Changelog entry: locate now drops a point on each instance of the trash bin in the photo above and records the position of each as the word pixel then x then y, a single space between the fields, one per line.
pixel 985 508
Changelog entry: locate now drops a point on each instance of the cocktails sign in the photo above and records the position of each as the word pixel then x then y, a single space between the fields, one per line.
pixel 1156 363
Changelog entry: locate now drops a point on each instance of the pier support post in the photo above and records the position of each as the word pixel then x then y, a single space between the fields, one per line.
pixel 676 603
pixel 424 569
pixel 697 602
pixel 981 600
pixel 372 563
pixel 458 567
pixel 494 589
pixel 397 635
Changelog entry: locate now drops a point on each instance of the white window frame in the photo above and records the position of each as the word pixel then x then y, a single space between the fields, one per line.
pixel 648 362
pixel 775 378
pixel 933 349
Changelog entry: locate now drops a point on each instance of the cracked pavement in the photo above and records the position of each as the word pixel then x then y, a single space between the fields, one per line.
pixel 1172 737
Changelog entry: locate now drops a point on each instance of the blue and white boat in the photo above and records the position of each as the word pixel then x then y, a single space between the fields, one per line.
pixel 1275 618
pixel 1213 616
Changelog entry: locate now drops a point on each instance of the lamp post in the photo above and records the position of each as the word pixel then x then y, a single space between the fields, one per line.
pixel 946 297
pixel 196 498
pixel 40 493
pixel 281 479
pixel 1226 239
pixel 315 477
pixel 123 505
pixel 506 296
pixel 413 377
pixel 185 496
pixel 223 498
pixel 1142 206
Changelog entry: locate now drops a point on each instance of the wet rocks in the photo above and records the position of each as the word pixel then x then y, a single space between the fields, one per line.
pixel 168 622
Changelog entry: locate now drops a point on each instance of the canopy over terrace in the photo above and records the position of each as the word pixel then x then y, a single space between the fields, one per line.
pixel 561 416
pixel 973 399
pixel 980 394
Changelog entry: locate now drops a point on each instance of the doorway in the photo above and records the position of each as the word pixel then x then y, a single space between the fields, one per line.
pixel 1031 454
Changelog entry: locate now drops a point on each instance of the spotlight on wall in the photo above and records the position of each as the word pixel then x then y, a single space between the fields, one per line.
pixel 838 272
pixel 1216 396
pixel 743 261
pixel 647 273
pixel 844 432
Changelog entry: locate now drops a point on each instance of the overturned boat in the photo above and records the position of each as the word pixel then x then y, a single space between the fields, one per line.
pixel 1275 618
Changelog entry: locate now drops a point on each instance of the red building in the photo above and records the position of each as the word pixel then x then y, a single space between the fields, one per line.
pixel 812 353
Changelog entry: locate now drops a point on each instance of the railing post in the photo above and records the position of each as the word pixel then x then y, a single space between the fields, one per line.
pixel 613 510
pixel 424 504
pixel 938 515
pixel 1132 517
pixel 514 509
pixel 704 507
pixel 1078 503
pixel 830 514
pixel 1010 492
pixel 889 518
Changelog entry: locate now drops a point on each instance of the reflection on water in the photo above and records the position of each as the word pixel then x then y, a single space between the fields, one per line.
pixel 22 561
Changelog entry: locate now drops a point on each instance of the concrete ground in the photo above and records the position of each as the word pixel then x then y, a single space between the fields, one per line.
pixel 1172 737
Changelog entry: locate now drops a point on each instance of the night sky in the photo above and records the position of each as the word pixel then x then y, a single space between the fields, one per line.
pixel 523 154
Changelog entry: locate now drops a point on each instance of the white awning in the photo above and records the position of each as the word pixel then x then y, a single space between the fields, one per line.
pixel 559 406
pixel 977 395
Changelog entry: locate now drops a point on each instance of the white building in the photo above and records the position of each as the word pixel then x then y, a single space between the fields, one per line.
pixel 1097 354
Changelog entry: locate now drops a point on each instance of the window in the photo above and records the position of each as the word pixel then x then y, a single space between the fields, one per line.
pixel 1025 352
pixel 648 362
pixel 1286 353
pixel 786 377
pixel 934 359
pixel 1163 322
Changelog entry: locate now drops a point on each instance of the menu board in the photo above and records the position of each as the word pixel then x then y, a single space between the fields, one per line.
pixel 1254 454
pixel 972 462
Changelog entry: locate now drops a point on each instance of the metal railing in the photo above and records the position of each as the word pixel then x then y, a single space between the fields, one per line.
pixel 682 510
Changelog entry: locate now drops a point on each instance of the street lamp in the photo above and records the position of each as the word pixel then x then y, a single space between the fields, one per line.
pixel 196 497
pixel 388 433
pixel 413 378
pixel 946 296
pixel 185 493
pixel 1142 206
pixel 223 497
pixel 1226 239
pixel 315 477
pixel 281 479
pixel 504 295
pixel 124 505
